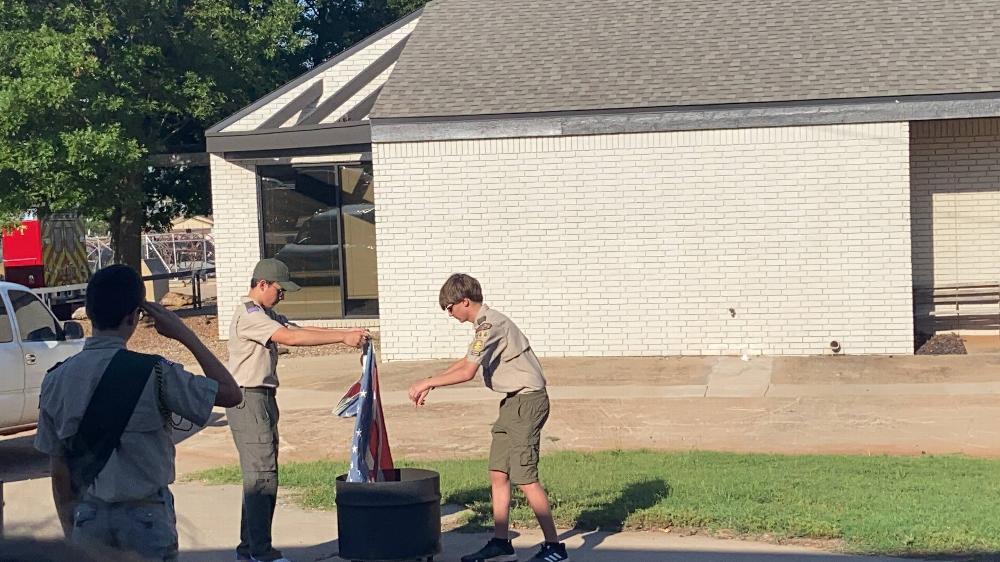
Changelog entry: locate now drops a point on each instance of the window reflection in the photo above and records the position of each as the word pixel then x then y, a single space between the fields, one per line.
pixel 306 212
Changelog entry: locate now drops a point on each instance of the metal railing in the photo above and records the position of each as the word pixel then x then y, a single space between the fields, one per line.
pixel 973 306
pixel 99 252
pixel 173 251
pixel 180 251
pixel 195 276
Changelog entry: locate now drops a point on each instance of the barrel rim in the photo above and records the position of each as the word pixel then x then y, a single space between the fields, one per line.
pixel 428 474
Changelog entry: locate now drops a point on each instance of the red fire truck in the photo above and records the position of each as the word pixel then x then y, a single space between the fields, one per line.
pixel 49 254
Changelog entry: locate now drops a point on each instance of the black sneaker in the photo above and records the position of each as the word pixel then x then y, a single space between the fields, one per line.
pixel 497 550
pixel 551 552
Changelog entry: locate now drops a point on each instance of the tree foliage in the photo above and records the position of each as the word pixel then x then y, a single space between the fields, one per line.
pixel 90 88
pixel 332 26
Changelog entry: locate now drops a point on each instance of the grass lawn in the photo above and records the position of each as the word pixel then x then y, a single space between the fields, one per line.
pixel 886 505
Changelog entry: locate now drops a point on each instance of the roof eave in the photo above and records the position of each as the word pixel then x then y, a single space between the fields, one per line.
pixel 684 118
pixel 323 137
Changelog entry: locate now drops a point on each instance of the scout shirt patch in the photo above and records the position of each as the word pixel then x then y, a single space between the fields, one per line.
pixel 482 334
pixel 251 307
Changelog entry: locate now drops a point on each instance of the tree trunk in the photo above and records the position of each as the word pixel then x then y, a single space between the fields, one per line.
pixel 126 223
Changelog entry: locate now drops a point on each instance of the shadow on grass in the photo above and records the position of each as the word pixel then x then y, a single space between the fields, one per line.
pixel 597 514
pixel 612 516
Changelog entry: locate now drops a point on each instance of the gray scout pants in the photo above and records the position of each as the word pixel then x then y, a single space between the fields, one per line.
pixel 255 430
pixel 146 529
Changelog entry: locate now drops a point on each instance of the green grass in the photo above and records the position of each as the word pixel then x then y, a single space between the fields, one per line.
pixel 886 505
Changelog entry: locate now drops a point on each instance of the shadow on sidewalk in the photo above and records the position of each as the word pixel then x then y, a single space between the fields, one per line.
pixel 20 461
pixel 454 545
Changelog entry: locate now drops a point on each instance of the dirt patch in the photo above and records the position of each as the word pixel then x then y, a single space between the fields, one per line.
pixel 943 344
pixel 861 369
pixel 909 425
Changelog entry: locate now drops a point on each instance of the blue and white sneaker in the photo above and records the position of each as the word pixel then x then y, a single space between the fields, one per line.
pixel 551 552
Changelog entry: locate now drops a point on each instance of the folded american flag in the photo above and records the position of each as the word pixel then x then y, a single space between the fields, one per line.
pixel 370 455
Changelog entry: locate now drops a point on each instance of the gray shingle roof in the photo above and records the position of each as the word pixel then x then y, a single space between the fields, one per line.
pixel 482 57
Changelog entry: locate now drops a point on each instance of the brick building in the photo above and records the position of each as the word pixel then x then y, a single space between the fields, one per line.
pixel 645 177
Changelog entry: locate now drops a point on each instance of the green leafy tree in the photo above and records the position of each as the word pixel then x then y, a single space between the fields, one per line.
pixel 332 26
pixel 90 89
pixel 403 7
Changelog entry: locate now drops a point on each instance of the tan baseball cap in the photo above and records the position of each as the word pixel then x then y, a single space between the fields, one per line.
pixel 277 271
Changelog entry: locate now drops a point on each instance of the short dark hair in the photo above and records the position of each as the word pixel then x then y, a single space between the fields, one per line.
pixel 255 282
pixel 112 294
pixel 460 286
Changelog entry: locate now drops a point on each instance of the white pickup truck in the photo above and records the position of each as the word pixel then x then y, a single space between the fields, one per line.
pixel 31 342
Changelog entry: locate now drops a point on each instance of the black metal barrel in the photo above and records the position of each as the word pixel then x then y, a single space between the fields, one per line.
pixel 399 519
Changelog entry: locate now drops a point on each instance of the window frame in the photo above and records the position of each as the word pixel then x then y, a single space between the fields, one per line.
pixel 59 333
pixel 5 306
pixel 338 203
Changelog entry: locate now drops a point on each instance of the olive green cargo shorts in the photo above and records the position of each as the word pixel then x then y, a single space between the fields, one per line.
pixel 517 434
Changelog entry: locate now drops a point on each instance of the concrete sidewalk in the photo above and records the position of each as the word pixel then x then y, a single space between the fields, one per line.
pixel 687 377
pixel 318 382
pixel 208 526
pixel 855 405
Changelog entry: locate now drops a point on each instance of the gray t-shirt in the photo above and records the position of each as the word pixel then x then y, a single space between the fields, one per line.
pixel 253 357
pixel 503 351
pixel 144 462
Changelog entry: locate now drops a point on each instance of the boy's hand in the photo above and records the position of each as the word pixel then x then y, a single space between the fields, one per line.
pixel 357 336
pixel 423 397
pixel 167 323
pixel 418 392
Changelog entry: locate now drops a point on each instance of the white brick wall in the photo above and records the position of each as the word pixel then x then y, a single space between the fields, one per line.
pixel 236 230
pixel 955 178
pixel 639 244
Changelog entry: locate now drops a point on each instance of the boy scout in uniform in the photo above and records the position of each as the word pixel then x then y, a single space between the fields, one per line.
pixel 127 504
pixel 509 367
pixel 253 358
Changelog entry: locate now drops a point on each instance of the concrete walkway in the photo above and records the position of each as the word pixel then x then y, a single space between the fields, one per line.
pixel 862 405
pixel 308 536
pixel 319 382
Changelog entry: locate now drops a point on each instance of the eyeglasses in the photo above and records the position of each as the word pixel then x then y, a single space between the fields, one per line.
pixel 452 305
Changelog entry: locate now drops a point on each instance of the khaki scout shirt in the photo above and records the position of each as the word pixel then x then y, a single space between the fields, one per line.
pixel 253 357
pixel 509 364
pixel 144 461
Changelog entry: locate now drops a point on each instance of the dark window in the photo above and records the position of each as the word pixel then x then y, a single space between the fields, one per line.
pixel 6 332
pixel 320 221
pixel 34 321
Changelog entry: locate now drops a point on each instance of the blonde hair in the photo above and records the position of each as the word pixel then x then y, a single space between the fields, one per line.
pixel 460 286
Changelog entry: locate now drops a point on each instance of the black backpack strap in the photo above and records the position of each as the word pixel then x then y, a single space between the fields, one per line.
pixel 111 406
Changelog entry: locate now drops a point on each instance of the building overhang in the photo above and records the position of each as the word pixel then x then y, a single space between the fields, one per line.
pixel 687 118
pixel 301 140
